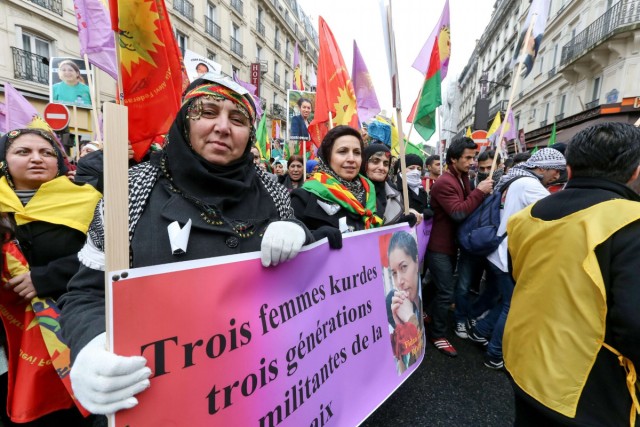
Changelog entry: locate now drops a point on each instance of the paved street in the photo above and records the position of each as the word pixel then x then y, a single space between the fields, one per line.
pixel 452 392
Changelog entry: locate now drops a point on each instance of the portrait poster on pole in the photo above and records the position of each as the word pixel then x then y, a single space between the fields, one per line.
pixel 68 82
pixel 322 339
pixel 300 109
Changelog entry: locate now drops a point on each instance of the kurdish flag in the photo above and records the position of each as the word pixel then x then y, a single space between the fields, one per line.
pixel 262 139
pixel 423 115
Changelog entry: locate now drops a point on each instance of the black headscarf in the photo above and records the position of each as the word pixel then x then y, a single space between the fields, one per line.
pixel 8 138
pixel 381 193
pixel 232 190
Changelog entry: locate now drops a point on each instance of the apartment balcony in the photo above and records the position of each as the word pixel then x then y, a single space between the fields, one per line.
pixel 289 21
pixel 276 79
pixel 592 104
pixel 212 29
pixel 278 46
pixel 278 111
pixel 543 123
pixel 54 6
pixel 552 72
pixel 263 103
pixel 559 117
pixel 622 16
pixel 29 66
pixel 260 28
pixel 236 46
pixel 184 8
pixel 237 6
pixel 500 106
pixel 287 56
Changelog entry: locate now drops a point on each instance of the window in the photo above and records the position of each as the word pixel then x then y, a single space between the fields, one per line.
pixel 31 57
pixel 286 79
pixel 555 54
pixel 211 55
pixel 541 62
pixel 258 53
pixel 563 101
pixel 182 41
pixel 211 12
pixel 596 89
pixel 235 71
pixel 546 111
pixel 235 32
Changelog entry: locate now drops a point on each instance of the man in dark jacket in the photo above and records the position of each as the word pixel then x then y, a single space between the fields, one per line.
pixel 572 336
pixel 452 200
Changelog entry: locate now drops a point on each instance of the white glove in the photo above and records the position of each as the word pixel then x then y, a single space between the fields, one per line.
pixel 281 242
pixel 104 382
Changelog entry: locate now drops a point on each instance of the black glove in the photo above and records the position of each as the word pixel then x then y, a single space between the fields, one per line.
pixel 331 233
pixel 428 213
pixel 410 218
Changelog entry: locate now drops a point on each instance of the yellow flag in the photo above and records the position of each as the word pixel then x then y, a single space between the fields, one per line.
pixel 395 139
pixel 495 125
pixel 468 134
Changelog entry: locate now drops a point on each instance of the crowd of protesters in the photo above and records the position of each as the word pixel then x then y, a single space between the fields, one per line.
pixel 555 303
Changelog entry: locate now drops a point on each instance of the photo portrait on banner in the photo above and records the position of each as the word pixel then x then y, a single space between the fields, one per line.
pixel 68 82
pixel 401 267
pixel 301 106
pixel 196 65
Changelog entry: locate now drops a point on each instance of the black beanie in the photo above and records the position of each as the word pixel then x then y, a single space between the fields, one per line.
pixel 369 151
pixel 414 160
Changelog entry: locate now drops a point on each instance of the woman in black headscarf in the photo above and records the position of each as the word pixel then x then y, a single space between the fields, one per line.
pixel 294 176
pixel 389 202
pixel 204 179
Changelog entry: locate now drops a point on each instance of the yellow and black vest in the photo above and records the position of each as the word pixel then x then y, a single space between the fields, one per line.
pixel 559 306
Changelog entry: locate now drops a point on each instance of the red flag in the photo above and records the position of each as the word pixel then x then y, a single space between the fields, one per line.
pixel 153 76
pixel 334 91
pixel 39 380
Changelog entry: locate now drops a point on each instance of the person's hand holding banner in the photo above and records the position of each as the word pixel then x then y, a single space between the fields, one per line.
pixel 104 382
pixel 281 242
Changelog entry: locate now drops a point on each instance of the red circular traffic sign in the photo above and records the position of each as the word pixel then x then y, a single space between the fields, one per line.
pixel 56 115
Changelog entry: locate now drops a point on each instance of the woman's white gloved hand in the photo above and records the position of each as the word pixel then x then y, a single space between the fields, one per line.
pixel 104 382
pixel 281 242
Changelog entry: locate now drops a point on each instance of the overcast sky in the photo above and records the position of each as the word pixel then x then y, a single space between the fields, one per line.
pixel 413 22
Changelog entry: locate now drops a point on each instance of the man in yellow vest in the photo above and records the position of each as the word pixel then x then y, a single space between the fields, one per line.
pixel 572 337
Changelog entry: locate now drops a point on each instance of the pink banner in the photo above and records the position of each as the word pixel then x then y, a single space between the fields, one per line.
pixel 324 338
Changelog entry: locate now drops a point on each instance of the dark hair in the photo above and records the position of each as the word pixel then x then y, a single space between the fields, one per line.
pixel 324 152
pixel 431 159
pixel 294 158
pixel 457 147
pixel 607 150
pixel 406 242
pixel 489 154
pixel 301 100
pixel 521 157
pixel 508 162
pixel 73 65
pixel 202 63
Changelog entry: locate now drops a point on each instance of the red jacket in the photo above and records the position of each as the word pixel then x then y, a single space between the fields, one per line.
pixel 451 204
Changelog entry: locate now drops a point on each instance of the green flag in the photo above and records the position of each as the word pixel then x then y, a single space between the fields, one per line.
pixel 411 148
pixel 535 150
pixel 552 138
pixel 262 140
pixel 423 115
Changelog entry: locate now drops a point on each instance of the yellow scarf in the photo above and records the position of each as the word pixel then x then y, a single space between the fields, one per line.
pixel 58 201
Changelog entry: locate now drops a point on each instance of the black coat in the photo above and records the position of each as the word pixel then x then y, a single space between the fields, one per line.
pixel 298 128
pixel 605 400
pixel 306 209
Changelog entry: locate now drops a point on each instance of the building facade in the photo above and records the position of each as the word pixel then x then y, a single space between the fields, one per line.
pixel 585 71
pixel 233 33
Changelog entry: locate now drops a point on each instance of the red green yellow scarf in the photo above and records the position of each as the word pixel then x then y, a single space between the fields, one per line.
pixel 328 188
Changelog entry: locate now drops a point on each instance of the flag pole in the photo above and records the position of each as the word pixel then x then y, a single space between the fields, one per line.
pixel 75 123
pixel 92 92
pixel 304 160
pixel 514 82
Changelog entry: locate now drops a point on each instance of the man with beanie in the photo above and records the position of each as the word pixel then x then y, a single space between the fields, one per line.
pixel 452 200
pixel 418 198
pixel 526 185
pixel 572 338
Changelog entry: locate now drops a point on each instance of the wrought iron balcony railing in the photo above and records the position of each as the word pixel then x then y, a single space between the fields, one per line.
pixel 623 13
pixel 260 28
pixel 212 28
pixel 184 8
pixel 52 5
pixel 236 47
pixel 238 6
pixel 29 66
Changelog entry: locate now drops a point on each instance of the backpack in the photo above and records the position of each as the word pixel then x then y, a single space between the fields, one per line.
pixel 478 234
